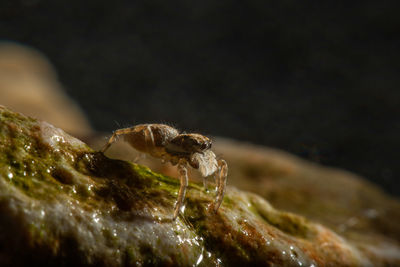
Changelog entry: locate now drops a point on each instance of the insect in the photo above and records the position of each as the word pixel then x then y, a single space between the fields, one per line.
pixel 181 149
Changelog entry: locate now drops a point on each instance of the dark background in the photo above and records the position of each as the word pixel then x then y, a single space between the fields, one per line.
pixel 316 79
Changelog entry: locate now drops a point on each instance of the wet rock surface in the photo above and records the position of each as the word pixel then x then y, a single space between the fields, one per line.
pixel 338 199
pixel 62 203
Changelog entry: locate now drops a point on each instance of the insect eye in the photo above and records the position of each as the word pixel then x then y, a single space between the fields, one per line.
pixel 205 146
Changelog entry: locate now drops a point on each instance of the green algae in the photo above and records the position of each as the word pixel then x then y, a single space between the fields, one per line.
pixel 287 222
pixel 30 161
pixel 31 177
pixel 40 165
pixel 228 202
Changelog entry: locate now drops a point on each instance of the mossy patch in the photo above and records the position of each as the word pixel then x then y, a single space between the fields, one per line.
pixel 287 222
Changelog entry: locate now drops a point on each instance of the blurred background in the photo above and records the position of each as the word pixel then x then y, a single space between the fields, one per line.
pixel 319 80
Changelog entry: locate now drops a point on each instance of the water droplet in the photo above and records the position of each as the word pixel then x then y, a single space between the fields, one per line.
pixel 183 209
pixel 97 219
pixel 200 259
pixel 27 147
pixel 180 239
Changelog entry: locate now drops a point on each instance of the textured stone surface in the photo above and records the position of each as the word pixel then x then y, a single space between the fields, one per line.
pixel 342 200
pixel 63 203
pixel 368 218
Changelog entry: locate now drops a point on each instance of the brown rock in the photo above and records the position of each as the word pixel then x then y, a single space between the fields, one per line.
pixel 340 200
pixel 28 84
pixel 62 203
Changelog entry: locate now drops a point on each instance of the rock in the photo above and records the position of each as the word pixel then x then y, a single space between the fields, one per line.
pixel 356 209
pixel 343 201
pixel 62 203
pixel 29 84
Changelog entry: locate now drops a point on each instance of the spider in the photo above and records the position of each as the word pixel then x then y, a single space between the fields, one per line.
pixel 181 149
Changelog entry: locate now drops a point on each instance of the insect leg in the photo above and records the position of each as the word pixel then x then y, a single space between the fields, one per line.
pixel 217 178
pixel 182 190
pixel 139 157
pixel 205 184
pixel 221 183
pixel 115 136
pixel 149 139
